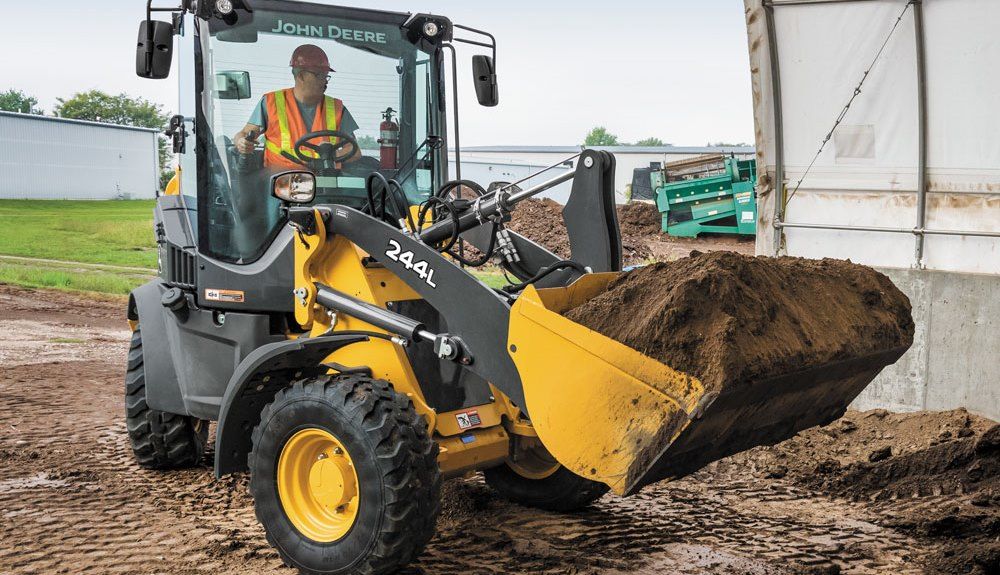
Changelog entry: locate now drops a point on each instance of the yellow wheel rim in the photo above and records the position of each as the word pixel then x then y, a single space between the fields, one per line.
pixel 534 463
pixel 317 485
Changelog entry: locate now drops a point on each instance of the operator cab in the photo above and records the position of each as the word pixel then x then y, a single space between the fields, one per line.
pixel 372 132
pixel 381 78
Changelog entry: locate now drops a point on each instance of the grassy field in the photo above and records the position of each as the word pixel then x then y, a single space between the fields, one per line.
pixel 108 232
pixel 66 276
pixel 112 233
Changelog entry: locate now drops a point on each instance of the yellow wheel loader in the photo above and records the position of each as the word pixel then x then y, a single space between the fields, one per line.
pixel 315 299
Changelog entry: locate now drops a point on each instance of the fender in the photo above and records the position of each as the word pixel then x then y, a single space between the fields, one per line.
pixel 256 380
pixel 163 386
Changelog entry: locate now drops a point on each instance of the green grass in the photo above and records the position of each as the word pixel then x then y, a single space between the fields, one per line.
pixel 31 275
pixel 102 232
pixel 118 233
pixel 67 340
pixel 491 278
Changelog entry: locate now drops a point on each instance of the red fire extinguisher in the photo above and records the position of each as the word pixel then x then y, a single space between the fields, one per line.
pixel 388 141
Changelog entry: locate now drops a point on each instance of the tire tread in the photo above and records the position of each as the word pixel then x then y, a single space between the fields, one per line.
pixel 159 440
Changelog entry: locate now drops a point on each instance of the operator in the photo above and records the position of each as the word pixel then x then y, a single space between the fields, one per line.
pixel 283 115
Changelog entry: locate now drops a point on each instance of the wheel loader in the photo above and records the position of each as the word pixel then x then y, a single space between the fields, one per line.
pixel 330 317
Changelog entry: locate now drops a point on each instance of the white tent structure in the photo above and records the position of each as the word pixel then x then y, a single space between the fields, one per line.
pixel 909 180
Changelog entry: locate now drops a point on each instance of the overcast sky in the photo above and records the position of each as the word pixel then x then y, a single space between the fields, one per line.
pixel 674 69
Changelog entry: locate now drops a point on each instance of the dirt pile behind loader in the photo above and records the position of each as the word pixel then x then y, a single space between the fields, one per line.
pixel 540 220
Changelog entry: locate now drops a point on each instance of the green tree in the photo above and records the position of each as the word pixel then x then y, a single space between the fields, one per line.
pixel 98 106
pixel 600 136
pixel 124 110
pixel 727 144
pixel 368 143
pixel 650 142
pixel 17 101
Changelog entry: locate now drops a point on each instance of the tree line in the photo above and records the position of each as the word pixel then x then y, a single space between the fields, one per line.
pixel 98 106
pixel 600 136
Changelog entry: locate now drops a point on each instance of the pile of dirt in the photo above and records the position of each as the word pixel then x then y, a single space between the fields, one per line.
pixel 639 219
pixel 541 221
pixel 727 318
pixel 933 475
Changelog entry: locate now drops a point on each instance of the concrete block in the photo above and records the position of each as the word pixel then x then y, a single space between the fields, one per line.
pixel 955 358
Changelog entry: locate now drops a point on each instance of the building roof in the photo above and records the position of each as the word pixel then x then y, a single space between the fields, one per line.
pixel 21 116
pixel 614 149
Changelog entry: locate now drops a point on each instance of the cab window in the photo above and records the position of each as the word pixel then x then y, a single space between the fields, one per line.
pixel 298 92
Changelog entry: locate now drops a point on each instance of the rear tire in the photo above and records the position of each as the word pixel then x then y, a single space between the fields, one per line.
pixel 160 440
pixel 392 502
pixel 532 485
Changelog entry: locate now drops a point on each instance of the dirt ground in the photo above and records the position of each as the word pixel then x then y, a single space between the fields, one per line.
pixel 831 500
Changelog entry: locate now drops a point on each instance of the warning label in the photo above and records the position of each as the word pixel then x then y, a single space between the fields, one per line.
pixel 468 419
pixel 225 295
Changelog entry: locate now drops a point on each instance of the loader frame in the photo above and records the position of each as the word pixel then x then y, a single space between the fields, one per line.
pixel 366 322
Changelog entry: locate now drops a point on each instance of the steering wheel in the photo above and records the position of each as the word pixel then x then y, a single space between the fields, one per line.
pixel 327 152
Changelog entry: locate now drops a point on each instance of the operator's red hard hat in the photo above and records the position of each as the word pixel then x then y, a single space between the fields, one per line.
pixel 310 57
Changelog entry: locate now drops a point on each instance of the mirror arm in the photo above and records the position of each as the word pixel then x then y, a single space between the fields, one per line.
pixel 149 26
pixel 492 45
pixel 177 134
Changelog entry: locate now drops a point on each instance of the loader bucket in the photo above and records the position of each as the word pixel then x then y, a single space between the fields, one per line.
pixel 611 414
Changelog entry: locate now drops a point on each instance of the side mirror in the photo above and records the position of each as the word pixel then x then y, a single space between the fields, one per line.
pixel 154 49
pixel 294 187
pixel 484 76
pixel 232 85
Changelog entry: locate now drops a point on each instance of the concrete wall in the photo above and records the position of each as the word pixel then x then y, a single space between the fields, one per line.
pixel 955 358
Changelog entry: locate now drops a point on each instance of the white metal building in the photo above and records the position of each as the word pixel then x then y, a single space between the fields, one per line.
pixel 495 159
pixel 909 181
pixel 48 158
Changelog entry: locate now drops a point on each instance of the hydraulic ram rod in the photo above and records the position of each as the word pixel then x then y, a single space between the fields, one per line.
pixel 383 318
pixel 486 208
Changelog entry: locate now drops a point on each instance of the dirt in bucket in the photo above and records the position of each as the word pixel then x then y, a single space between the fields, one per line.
pixel 727 318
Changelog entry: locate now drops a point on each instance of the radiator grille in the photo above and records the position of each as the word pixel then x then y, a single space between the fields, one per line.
pixel 180 268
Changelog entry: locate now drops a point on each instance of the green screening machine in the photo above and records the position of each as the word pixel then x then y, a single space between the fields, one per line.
pixel 707 194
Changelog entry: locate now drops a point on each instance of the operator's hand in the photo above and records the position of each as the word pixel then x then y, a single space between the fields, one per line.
pixel 246 140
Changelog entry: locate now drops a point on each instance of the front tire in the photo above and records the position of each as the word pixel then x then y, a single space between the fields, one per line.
pixel 160 440
pixel 344 476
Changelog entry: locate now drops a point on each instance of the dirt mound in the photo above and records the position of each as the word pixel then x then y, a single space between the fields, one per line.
pixel 935 476
pixel 465 502
pixel 639 219
pixel 726 318
pixel 541 221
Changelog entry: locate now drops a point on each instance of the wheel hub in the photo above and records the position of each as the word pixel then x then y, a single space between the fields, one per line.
pixel 317 485
pixel 331 482
pixel 532 460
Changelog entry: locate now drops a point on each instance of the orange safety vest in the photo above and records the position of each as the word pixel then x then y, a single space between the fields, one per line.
pixel 285 126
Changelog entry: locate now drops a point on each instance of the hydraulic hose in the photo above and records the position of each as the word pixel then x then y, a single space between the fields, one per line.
pixel 561 264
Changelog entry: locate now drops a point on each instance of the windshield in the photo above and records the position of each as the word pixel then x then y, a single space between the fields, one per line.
pixel 341 98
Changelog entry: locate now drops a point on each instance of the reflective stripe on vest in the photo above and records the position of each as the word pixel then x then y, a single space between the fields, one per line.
pixel 290 124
